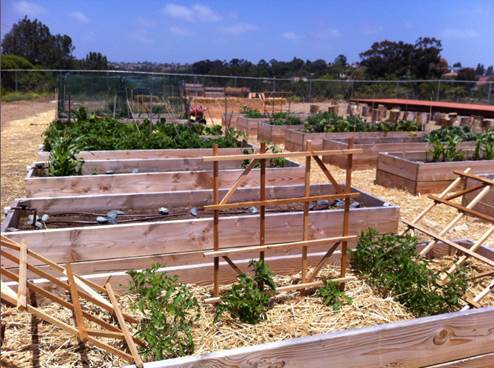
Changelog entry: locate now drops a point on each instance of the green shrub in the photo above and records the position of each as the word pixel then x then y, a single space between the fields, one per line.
pixel 169 311
pixel 332 296
pixel 248 299
pixel 391 264
pixel 464 132
pixel 110 134
pixel 251 113
pixel 277 119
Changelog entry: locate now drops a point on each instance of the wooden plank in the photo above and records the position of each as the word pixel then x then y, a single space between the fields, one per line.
pixel 475 177
pixel 123 327
pixel 486 205
pixel 233 265
pixel 259 156
pixel 328 175
pixel 302 243
pixel 408 344
pixel 281 201
pixel 7 294
pixel 78 316
pixel 151 182
pixel 322 262
pixel 22 287
pixel 240 180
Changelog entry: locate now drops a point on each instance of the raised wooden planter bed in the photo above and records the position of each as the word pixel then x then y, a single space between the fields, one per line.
pixel 373 146
pixel 249 125
pixel 410 172
pixel 486 205
pixel 295 139
pixel 144 154
pixel 101 248
pixel 274 133
pixel 41 186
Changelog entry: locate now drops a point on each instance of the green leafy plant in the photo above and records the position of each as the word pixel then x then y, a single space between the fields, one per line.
pixel 332 296
pixel 62 160
pixel 464 132
pixel 484 146
pixel 451 152
pixel 437 147
pixel 391 264
pixel 274 162
pixel 251 113
pixel 248 299
pixel 169 311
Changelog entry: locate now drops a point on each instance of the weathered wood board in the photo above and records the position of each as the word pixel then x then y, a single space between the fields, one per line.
pixel 486 205
pixel 295 139
pixel 249 125
pixel 274 133
pixel 415 343
pixel 408 171
pixel 373 146
pixel 152 181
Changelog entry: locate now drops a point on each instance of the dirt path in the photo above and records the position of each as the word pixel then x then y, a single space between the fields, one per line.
pixel 23 123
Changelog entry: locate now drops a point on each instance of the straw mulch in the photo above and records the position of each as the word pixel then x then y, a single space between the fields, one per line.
pixel 292 315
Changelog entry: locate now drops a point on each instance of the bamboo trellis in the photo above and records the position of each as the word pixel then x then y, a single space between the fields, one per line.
pixel 79 289
pixel 345 193
pixel 446 198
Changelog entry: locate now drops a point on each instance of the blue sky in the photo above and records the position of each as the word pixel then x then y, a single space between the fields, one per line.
pixel 187 31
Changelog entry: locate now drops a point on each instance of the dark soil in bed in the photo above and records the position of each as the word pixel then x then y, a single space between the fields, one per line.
pixel 83 219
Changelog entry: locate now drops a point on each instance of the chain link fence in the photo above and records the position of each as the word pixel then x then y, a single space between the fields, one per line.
pixel 127 94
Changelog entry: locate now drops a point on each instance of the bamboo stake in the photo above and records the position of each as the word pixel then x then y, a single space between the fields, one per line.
pixel 308 148
pixel 262 197
pixel 346 213
pixel 74 295
pixel 458 217
pixel 121 321
pixel 216 241
pixel 22 286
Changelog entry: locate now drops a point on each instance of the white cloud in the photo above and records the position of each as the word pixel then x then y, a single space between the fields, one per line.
pixel 328 33
pixel 79 16
pixel 28 8
pixel 292 36
pixel 180 31
pixel 145 22
pixel 239 28
pixel 194 13
pixel 461 33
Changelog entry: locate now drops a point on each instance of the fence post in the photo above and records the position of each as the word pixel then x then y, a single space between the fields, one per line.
pixel 15 78
pixel 274 84
pixel 489 92
pixel 438 88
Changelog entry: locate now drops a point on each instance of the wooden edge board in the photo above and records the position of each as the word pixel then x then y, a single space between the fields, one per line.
pixel 260 156
pixel 238 182
pixel 280 201
pixel 22 286
pixel 463 192
pixel 74 295
pixel 300 243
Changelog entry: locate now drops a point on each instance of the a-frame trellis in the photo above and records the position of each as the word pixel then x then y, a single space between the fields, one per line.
pixel 262 158
pixel 446 198
pixel 79 289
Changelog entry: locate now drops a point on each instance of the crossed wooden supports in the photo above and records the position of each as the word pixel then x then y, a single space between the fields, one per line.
pixel 261 159
pixel 79 289
pixel 445 198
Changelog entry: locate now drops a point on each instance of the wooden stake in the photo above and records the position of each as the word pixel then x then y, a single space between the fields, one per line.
pixel 308 148
pixel 262 197
pixel 216 239
pixel 346 214
pixel 121 322
pixel 74 295
pixel 22 287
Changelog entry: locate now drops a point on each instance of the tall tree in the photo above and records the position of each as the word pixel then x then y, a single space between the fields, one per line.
pixel 389 59
pixel 480 69
pixel 33 40
pixel 466 74
pixel 94 61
